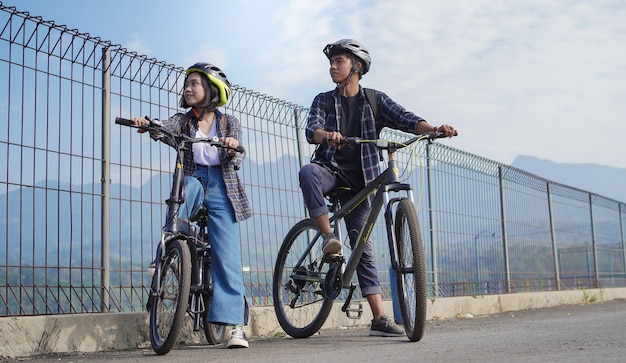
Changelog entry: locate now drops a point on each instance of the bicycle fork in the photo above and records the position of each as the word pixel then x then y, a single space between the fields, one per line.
pixel 158 260
pixel 381 199
pixel 391 232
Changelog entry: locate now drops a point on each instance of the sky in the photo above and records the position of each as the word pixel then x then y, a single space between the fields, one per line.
pixel 541 78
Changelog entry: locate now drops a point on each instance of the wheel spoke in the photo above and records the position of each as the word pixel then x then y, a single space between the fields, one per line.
pixel 298 295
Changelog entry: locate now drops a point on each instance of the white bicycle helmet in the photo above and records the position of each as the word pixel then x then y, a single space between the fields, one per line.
pixel 350 46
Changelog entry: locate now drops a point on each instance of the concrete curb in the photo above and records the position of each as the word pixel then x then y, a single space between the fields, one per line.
pixel 36 335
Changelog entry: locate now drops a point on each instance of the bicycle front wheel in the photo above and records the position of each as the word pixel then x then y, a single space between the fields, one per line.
pixel 299 301
pixel 169 303
pixel 411 272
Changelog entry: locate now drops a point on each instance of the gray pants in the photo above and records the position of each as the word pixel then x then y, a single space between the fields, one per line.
pixel 317 179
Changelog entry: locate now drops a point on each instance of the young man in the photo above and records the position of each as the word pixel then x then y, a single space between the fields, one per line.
pixel 345 112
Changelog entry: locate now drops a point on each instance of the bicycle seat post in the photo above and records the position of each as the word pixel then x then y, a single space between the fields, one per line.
pixel 334 198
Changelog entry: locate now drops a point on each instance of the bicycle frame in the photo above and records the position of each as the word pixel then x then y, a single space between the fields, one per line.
pixel 386 182
pixel 190 249
pixel 306 281
pixel 170 229
pixel 174 202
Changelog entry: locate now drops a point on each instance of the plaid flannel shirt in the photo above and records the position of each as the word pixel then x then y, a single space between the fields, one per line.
pixel 234 186
pixel 390 114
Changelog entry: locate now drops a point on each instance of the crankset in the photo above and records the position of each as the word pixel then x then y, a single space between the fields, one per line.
pixel 333 281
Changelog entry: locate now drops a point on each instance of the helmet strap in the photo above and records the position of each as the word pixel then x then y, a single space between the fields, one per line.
pixel 343 85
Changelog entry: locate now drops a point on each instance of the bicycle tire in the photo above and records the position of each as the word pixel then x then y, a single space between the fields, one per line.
pixel 169 304
pixel 214 333
pixel 311 308
pixel 411 272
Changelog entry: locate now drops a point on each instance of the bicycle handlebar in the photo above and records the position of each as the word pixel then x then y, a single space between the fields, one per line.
pixel 391 145
pixel 155 126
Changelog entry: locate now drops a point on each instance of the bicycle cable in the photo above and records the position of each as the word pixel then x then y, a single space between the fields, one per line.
pixel 413 154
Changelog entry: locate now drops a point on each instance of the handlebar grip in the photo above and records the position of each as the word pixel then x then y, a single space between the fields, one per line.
pixel 350 140
pixel 439 135
pixel 124 121
pixel 240 149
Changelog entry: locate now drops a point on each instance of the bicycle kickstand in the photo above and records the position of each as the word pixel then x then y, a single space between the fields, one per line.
pixel 353 310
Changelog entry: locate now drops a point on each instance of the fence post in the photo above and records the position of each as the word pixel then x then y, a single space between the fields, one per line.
pixel 505 243
pixel 106 177
pixel 431 221
pixel 557 267
pixel 594 247
pixel 300 140
pixel 395 303
pixel 621 229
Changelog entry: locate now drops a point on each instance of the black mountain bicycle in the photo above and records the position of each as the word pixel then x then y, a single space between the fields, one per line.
pixel 182 282
pixel 306 281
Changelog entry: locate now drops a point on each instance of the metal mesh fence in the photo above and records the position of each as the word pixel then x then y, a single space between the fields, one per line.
pixel 81 199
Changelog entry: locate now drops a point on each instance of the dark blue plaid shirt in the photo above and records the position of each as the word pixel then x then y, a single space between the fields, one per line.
pixel 390 114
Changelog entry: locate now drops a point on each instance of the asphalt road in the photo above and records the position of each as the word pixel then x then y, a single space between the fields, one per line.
pixel 579 333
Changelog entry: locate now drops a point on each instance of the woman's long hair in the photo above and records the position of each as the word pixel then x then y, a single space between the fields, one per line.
pixel 209 103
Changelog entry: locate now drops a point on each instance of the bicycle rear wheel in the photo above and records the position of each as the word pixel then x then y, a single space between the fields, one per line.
pixel 411 272
pixel 169 304
pixel 300 305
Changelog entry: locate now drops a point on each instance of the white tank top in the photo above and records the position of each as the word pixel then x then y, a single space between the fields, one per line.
pixel 203 153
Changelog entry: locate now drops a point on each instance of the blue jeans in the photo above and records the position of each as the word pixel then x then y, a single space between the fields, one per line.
pixel 315 180
pixel 228 305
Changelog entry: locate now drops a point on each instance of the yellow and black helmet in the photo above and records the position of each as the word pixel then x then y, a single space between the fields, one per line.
pixel 215 76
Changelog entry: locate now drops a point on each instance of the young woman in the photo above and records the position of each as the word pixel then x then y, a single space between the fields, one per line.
pixel 211 179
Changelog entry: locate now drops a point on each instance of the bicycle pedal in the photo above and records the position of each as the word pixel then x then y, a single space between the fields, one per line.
pixel 354 310
pixel 333 258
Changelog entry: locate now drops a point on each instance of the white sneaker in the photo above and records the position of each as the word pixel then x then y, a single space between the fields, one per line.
pixel 237 338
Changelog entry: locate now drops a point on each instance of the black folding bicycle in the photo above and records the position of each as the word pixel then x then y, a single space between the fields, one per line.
pixel 182 283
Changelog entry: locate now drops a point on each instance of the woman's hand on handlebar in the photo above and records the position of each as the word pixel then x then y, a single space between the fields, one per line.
pixel 230 142
pixel 140 121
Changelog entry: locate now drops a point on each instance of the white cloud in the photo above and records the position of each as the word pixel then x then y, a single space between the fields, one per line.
pixel 536 78
pixel 138 44
pixel 543 78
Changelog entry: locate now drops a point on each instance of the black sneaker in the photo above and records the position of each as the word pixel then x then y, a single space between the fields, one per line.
pixel 385 327
pixel 331 244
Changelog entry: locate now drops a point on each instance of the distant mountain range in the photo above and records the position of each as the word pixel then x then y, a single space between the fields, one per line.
pixel 599 179
pixel 77 225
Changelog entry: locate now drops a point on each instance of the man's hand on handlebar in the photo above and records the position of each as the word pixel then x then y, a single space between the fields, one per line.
pixel 334 138
pixel 423 127
pixel 446 130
